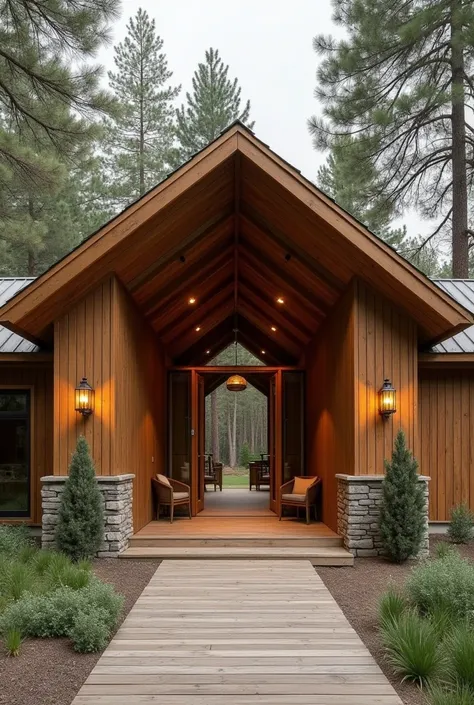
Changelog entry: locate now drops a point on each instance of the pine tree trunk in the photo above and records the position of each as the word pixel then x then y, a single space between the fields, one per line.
pixel 460 223
pixel 142 131
pixel 214 427
pixel 32 263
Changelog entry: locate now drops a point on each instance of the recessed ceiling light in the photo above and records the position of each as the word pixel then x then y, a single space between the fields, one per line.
pixel 197 329
pixel 274 329
pixel 191 300
pixel 280 300
pixel 262 352
pixel 208 352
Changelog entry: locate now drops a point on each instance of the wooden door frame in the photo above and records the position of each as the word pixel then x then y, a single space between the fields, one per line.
pixel 198 421
pixel 199 372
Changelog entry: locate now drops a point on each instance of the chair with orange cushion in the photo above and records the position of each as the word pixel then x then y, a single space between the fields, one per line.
pixel 301 492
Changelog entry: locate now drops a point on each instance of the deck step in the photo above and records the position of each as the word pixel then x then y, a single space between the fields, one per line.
pixel 329 556
pixel 153 541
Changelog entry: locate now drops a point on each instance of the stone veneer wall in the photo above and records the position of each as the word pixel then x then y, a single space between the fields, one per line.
pixel 118 520
pixel 359 498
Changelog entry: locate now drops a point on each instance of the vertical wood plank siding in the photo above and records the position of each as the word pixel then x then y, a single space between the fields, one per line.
pixel 140 434
pixel 40 378
pixel 330 421
pixel 385 346
pixel 447 438
pixel 364 339
pixel 105 338
pixel 82 348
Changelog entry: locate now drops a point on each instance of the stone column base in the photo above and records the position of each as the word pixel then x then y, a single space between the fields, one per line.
pixel 359 498
pixel 117 491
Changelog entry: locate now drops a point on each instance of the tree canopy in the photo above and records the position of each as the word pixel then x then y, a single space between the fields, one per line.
pixel 400 81
pixel 215 102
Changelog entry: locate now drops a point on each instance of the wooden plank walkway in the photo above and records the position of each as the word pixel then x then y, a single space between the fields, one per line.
pixel 236 633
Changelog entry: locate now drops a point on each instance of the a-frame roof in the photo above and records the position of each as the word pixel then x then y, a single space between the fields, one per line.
pixel 236 227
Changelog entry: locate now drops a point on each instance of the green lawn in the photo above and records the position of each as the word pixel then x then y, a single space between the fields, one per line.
pixel 235 481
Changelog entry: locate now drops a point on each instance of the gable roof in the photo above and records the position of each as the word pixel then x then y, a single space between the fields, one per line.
pixel 11 342
pixel 235 206
pixel 463 291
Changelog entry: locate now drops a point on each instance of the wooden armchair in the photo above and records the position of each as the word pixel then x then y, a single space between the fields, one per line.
pixel 170 493
pixel 307 494
pixel 213 474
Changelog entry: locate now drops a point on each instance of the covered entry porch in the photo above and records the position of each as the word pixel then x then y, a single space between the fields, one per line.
pixel 235 244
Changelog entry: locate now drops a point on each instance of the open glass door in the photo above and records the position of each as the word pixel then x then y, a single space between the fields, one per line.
pixel 198 442
pixel 275 439
pixel 179 426
pixel 293 439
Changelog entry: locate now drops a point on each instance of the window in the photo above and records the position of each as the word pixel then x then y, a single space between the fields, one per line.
pixel 14 453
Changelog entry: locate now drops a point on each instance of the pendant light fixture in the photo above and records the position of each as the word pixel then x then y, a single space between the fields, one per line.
pixel 236 383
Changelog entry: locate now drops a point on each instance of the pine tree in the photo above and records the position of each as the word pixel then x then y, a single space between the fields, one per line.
pixel 141 137
pixel 401 81
pixel 80 527
pixel 402 515
pixel 214 104
pixel 35 40
pixel 354 184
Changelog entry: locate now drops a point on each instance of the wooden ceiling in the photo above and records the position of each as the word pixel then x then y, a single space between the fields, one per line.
pixel 236 260
pixel 236 228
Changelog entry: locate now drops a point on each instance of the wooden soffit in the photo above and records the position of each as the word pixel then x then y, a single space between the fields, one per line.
pixel 241 227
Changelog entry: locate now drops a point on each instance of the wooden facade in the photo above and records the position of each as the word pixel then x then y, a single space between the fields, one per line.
pixel 446 449
pixel 237 239
pixel 364 340
pixel 105 338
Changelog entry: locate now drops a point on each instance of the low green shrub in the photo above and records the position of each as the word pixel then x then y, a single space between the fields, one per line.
pixel 104 597
pixel 445 695
pixel 392 605
pixel 89 631
pixel 460 652
pixel 13 641
pixel 53 614
pixel 460 529
pixel 445 584
pixel 413 648
pixel 14 538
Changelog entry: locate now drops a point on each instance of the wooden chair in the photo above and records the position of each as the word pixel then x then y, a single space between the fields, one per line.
pixel 170 493
pixel 307 499
pixel 263 474
pixel 213 474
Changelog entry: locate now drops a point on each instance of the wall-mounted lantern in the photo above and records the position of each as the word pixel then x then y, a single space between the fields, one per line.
pixel 387 399
pixel 84 398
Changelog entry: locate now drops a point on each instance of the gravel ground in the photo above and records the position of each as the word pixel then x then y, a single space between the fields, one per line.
pixel 49 671
pixel 357 591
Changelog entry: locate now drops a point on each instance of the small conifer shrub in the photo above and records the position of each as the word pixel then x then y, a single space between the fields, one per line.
pixel 80 528
pixel 402 516
pixel 460 529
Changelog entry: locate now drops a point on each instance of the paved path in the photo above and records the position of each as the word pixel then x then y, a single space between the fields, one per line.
pixel 236 633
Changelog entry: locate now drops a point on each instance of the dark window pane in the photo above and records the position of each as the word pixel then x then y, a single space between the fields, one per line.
pixel 17 401
pixel 14 465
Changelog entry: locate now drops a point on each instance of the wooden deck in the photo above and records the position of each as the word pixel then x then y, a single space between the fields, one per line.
pixel 227 633
pixel 227 527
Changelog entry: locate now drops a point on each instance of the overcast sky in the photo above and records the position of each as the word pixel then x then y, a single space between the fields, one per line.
pixel 268 46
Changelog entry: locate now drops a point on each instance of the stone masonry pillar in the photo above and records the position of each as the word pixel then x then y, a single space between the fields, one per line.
pixel 117 491
pixel 359 498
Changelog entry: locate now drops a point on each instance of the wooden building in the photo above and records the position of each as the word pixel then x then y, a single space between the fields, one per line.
pixel 236 239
